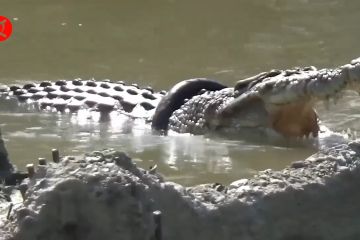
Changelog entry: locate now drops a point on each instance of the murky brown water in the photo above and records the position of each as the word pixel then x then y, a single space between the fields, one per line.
pixel 158 44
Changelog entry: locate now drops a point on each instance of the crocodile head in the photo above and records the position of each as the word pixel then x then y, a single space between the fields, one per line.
pixel 284 100
pixel 253 106
pixel 280 101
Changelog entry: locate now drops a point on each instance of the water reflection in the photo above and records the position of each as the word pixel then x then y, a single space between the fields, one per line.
pixel 183 158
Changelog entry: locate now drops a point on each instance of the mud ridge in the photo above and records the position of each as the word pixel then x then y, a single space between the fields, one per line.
pixel 105 195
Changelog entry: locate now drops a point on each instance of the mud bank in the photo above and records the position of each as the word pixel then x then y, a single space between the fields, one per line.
pixel 104 195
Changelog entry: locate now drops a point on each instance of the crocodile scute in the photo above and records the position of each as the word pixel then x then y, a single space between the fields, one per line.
pixel 71 96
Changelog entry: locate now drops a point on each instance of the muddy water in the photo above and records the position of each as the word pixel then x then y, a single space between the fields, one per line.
pixel 158 44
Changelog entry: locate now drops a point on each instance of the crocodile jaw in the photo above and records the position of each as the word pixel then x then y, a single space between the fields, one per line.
pixel 291 120
pixel 289 96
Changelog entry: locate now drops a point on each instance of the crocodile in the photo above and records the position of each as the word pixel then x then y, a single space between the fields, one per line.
pixel 277 101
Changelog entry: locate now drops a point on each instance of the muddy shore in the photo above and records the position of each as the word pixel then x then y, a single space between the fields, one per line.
pixel 105 195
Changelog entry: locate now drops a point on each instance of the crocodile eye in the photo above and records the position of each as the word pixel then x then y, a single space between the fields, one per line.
pixel 236 93
pixel 274 73
pixel 241 86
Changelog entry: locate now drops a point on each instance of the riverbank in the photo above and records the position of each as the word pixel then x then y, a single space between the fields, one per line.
pixel 105 195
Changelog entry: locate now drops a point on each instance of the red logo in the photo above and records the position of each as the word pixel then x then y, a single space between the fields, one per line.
pixel 5 28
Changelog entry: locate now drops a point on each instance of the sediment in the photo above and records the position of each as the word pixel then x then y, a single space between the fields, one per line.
pixel 104 195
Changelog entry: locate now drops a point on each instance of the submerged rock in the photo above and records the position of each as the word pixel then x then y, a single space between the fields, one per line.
pixel 104 195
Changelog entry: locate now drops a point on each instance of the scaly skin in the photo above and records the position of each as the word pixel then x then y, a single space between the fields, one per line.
pixel 71 96
pixel 279 100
